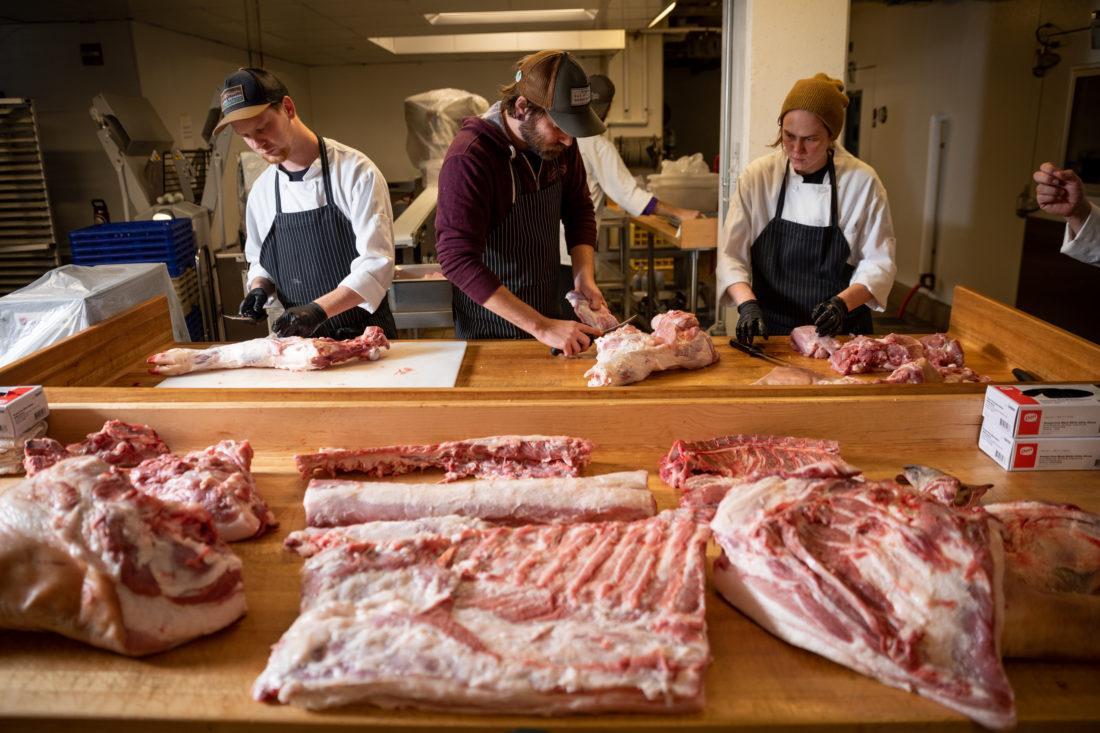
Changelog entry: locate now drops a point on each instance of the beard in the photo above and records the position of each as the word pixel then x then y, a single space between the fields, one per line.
pixel 541 147
pixel 277 157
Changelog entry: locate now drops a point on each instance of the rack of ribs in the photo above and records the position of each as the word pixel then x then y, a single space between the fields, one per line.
pixel 85 554
pixel 628 355
pixel 293 353
pixel 546 619
pixel 875 576
pixel 501 456
pixel 619 496
pixel 118 443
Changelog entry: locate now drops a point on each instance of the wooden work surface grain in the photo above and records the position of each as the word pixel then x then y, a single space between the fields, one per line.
pixel 755 680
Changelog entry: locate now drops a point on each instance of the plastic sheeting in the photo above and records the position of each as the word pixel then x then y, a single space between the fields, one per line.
pixel 689 165
pixel 433 119
pixel 68 299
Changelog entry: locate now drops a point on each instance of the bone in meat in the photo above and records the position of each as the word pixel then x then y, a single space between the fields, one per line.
pixel 628 355
pixel 117 443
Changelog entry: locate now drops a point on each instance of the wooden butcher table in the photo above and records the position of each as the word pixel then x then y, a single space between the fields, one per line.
pixel 755 681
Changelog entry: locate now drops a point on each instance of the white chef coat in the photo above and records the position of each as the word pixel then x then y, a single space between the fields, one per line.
pixel 359 191
pixel 607 177
pixel 1086 245
pixel 863 216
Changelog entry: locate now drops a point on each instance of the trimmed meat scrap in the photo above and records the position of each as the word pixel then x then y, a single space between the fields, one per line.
pixel 942 487
pixel 612 496
pixel 294 353
pixel 501 456
pixel 863 354
pixel 805 341
pixel 549 619
pixel 942 350
pixel 85 554
pixel 117 443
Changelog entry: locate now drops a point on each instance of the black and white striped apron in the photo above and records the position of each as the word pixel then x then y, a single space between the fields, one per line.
pixel 523 252
pixel 309 253
pixel 796 266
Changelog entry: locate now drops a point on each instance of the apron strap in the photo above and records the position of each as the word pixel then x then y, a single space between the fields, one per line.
pixel 324 170
pixel 833 215
pixel 278 198
pixel 782 191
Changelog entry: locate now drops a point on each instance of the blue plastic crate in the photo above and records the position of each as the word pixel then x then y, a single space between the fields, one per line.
pixel 171 242
pixel 194 324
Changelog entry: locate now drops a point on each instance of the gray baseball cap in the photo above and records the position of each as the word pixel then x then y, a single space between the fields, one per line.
pixel 555 81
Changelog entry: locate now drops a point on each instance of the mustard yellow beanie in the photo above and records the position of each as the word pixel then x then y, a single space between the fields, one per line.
pixel 821 95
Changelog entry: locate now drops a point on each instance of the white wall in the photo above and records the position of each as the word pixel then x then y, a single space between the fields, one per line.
pixel 972 62
pixel 42 61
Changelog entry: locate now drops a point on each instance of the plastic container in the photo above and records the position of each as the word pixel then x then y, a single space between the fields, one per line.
pixel 171 242
pixel 699 191
pixel 419 288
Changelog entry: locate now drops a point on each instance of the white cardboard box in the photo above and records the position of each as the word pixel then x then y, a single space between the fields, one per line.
pixel 21 408
pixel 1044 410
pixel 1040 454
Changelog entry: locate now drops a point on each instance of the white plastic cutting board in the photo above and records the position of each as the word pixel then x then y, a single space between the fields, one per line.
pixel 425 363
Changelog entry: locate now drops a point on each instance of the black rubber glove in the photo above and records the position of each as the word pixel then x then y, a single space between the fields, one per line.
pixel 301 320
pixel 750 322
pixel 829 315
pixel 253 304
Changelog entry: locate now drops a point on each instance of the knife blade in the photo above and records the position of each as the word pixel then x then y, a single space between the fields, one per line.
pixel 557 352
pixel 757 353
pixel 241 318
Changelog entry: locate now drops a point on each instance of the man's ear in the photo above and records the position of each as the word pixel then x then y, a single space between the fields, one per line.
pixel 288 107
pixel 519 109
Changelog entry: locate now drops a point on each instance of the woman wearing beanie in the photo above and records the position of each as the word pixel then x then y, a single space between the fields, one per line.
pixel 808 237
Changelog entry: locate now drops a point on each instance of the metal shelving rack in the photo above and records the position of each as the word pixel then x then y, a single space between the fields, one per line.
pixel 28 244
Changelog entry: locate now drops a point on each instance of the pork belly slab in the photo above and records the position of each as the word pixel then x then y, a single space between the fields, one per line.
pixel 85 554
pixel 499 456
pixel 612 496
pixel 117 443
pixel 219 479
pixel 547 619
pixel 875 576
pixel 293 353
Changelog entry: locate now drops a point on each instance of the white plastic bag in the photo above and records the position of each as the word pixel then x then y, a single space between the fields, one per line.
pixel 433 119
pixel 689 165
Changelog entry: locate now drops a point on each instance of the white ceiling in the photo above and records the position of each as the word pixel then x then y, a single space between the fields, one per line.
pixel 318 32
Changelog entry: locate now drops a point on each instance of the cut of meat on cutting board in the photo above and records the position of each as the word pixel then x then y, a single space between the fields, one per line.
pixel 425 363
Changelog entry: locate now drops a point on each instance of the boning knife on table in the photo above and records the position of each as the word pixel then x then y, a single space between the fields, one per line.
pixel 757 353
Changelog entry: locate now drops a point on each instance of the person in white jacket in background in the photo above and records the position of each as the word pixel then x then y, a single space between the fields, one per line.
pixel 1062 193
pixel 808 237
pixel 608 177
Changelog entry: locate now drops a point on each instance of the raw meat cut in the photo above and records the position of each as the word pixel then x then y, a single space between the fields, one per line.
pixel 749 457
pixel 1052 547
pixel 863 354
pixel 942 350
pixel 788 375
pixel 628 355
pixel 952 374
pixel 805 341
pixel 85 554
pixel 503 456
pixel 117 443
pixel 941 486
pixel 219 479
pixel 875 576
pixel 921 371
pixel 311 540
pixel 600 318
pixel 620 496
pixel 547 619
pixel 294 353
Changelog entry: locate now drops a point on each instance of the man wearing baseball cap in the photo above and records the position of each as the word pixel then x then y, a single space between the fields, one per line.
pixel 319 224
pixel 509 177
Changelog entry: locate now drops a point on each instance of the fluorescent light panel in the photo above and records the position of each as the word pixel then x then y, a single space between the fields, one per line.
pixel 662 15
pixel 472 43
pixel 559 15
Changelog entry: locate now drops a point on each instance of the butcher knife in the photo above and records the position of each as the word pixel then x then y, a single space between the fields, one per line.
pixel 757 353
pixel 241 318
pixel 557 352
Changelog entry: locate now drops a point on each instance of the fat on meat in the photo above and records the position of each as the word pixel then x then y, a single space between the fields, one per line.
pixel 1052 547
pixel 217 478
pixel 805 341
pixel 311 540
pixel 85 554
pixel 294 353
pixel 941 486
pixel 600 318
pixel 543 619
pixel 749 457
pixel 877 577
pixel 117 443
pixel 628 355
pixel 611 496
pixel 500 456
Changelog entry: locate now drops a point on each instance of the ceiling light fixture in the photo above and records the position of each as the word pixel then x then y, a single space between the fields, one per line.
pixel 479 43
pixel 494 17
pixel 662 15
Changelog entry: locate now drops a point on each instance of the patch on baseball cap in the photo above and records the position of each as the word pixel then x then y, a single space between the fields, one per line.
pixel 247 93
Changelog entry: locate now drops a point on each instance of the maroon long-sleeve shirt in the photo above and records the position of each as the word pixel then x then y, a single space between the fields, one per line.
pixel 476 193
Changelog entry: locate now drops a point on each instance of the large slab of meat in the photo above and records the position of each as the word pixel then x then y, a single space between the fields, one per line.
pixel 1053 547
pixel 85 554
pixel 219 479
pixel 500 456
pixel 600 318
pixel 612 496
pixel 875 576
pixel 628 355
pixel 294 353
pixel 805 341
pixel 117 443
pixel 311 540
pixel 549 619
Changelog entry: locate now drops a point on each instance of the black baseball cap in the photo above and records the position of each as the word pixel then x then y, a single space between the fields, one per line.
pixel 603 91
pixel 555 81
pixel 248 92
